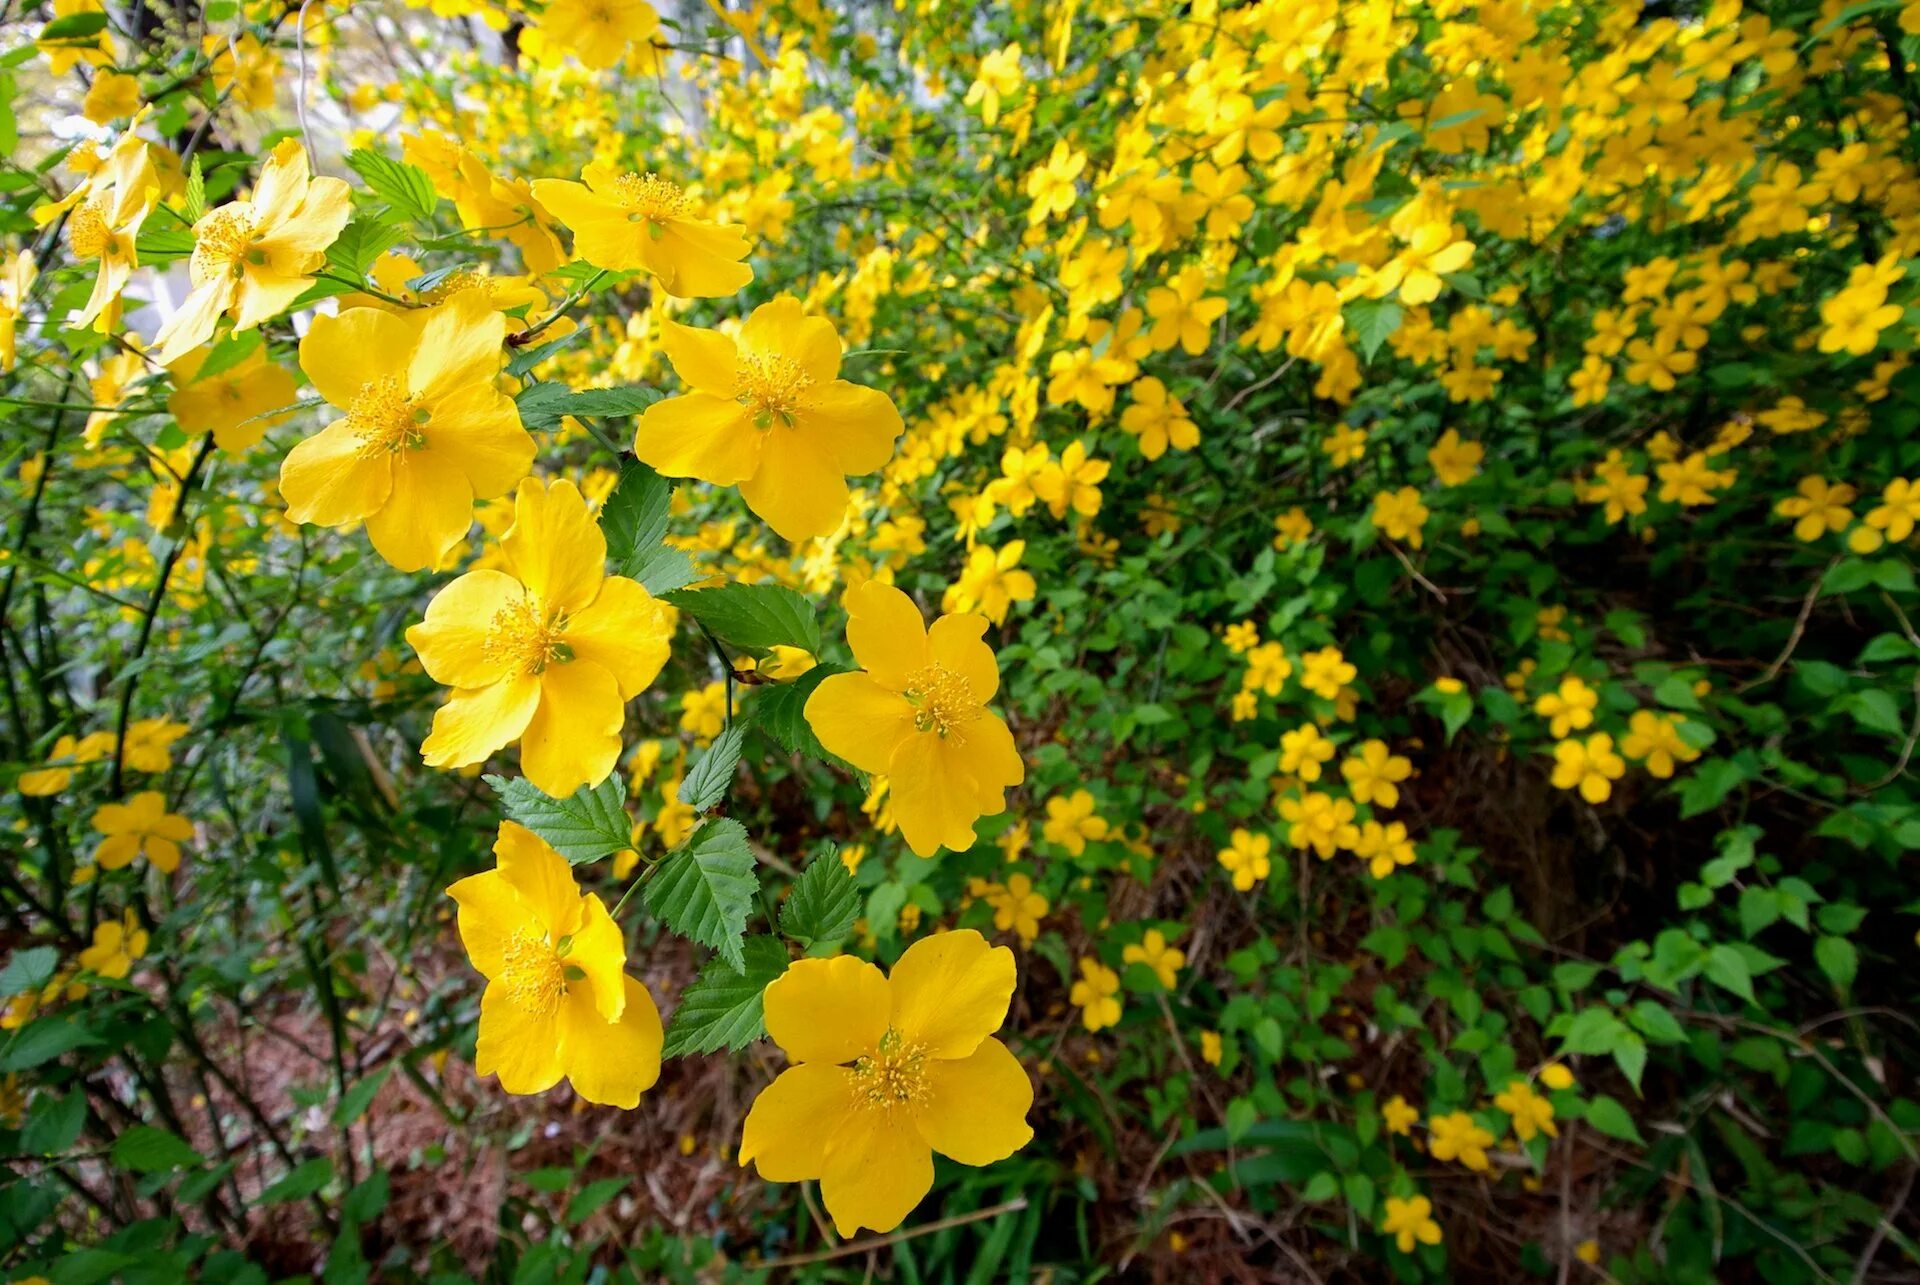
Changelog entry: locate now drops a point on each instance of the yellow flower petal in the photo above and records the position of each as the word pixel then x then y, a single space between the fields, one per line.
pixel 452 640
pixel 343 354
pixel 428 511
pixel 951 991
pixel 459 346
pixel 887 635
pixel 855 425
pixel 600 951
pixel 475 723
pixel 798 489
pixel 696 260
pixel 701 436
pixel 782 327
pixel 540 877
pixel 977 1105
pixel 574 737
pixel 705 360
pixel 878 1168
pixel 490 913
pixel 859 720
pixel 554 546
pixel 786 1132
pixel 326 480
pixel 955 643
pixel 828 1010
pixel 611 1063
pixel 626 632
pixel 525 1051
pixel 480 430
pixel 934 796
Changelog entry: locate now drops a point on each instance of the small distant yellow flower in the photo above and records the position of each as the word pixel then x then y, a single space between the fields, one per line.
pixel 1398 1116
pixel 1568 708
pixel 1291 528
pixel 140 827
pixel 1531 1113
pixel 559 1002
pixel 998 77
pixel 1325 672
pixel 116 944
pixel 885 1071
pixel 1820 507
pixel 1654 739
pixel 1153 951
pixel 1303 751
pixel 1017 907
pixel 1556 1076
pixel 1246 859
pixel 599 32
pixel 1051 184
pixel 1374 774
pixel 237 405
pixel 1410 1222
pixel 1458 1136
pixel 1399 515
pixel 1097 994
pixel 1587 1251
pixel 628 221
pixel 1242 637
pixel 1072 820
pixel 1589 766
pixel 68 753
pixel 1320 822
pixel 1454 461
pixel 1345 445
pixel 1211 1048
pixel 991 582
pixel 1267 669
pixel 703 713
pixel 1384 847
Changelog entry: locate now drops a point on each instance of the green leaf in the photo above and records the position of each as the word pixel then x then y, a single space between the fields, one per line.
pixel 364 1203
pixel 298 1183
pixel 704 891
pixel 711 775
pixel 1630 1055
pixel 74 26
pixel 613 403
pixel 355 1101
pixel 634 518
pixel 196 203
pixel 780 711
pixel 588 824
pixel 756 617
pixel 145 1149
pixel 359 244
pixel 1727 969
pixel 228 352
pixel 405 187
pixel 722 1008
pixel 1838 959
pixel 823 903
pixel 160 246
pixel 588 1200
pixel 54 1124
pixel 542 405
pixel 1610 1118
pixel 28 970
pixel 41 1042
pixel 1372 322
pixel 665 570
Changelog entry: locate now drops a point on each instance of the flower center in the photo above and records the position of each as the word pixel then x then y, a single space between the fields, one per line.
pixel 224 244
pixel 649 198
pixel 771 386
pixel 454 282
pixel 527 638
pixel 894 1074
pixel 533 973
pixel 91 236
pixel 385 419
pixel 942 700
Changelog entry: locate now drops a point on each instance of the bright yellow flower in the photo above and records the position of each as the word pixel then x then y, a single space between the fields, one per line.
pixel 1383 847
pixel 1398 1116
pixel 1654 739
pixel 17 275
pixel 558 1003
pixel 1531 1113
pixel 1018 908
pixel 68 753
pixel 998 77
pixel 1072 821
pixel 1162 959
pixel 140 827
pixel 547 650
pixel 237 405
pixel 1459 1137
pixel 991 582
pixel 1410 1223
pixel 253 258
pixel 769 413
pixel 104 218
pixel 427 430
pixel 1325 672
pixel 917 713
pixel 1374 774
pixel 623 222
pixel 1303 751
pixel 1212 1049
pixel 1569 708
pixel 1589 766
pixel 1454 461
pixel 1246 859
pixel 884 1072
pixel 116 944
pixel 1819 507
pixel 703 713
pixel 1097 995
pixel 1321 822
pixel 1158 420
pixel 1399 515
pixel 597 32
pixel 111 97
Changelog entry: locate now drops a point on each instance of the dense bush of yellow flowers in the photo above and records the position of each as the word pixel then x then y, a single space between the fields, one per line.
pixel 1066 640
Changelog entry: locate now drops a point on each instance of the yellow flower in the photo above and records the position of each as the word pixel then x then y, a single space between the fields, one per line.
pixel 1097 995
pixel 1854 318
pixel 1321 822
pixel 623 222
pixel 16 280
pixel 769 413
pixel 1589 766
pixel 140 827
pixel 1655 739
pixel 1410 1222
pixel 1241 638
pixel 1050 184
pixel 1162 959
pixel 1820 507
pixel 783 664
pixel 1399 515
pixel 1383 847
pixel 1267 669
pixel 1894 517
pixel 1303 751
pixel 1158 420
pixel 237 405
pixel 1397 1116
pixel 558 1003
pixel 1374 774
pixel 427 430
pixel 886 1071
pixel 68 753
pixel 1454 461
pixel 1459 1137
pixel 1183 313
pixel 1568 709
pixel 547 651
pixel 1072 820
pixel 1211 1048
pixel 1071 482
pixel 991 582
pixel 116 944
pixel 1556 1076
pixel 1531 1113
pixel 104 217
pixel 1325 672
pixel 1291 528
pixel 111 97
pixel 597 32
pixel 1246 859
pixel 917 712
pixel 149 742
pixel 997 78
pixel 1017 907
pixel 253 258
pixel 703 714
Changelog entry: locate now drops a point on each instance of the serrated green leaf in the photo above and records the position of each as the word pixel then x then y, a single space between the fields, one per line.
pixel 665 570
pixel 405 187
pixel 541 405
pixel 710 776
pixel 298 1183
pixel 1372 322
pixel 359 244
pixel 588 824
pixel 722 1009
pixel 28 970
pixel 146 1149
pixel 823 903
pixel 755 617
pixel 613 403
pixel 1727 968
pixel 42 1041
pixel 780 711
pixel 704 890
pixel 634 518
pixel 1838 959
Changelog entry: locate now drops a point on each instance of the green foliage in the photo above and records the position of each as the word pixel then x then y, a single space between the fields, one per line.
pixel 704 890
pixel 588 824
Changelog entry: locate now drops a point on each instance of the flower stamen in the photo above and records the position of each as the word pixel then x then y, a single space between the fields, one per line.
pixel 529 640
pixel 531 971
pixel 893 1075
pixel 943 702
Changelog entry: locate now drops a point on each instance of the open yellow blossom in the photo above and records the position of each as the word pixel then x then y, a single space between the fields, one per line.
pixel 917 712
pixel 1654 739
pixel 1304 751
pixel 1568 708
pixel 991 582
pixel 1374 774
pixel 768 412
pixel 885 1072
pixel 1072 820
pixel 1158 420
pixel 1398 1116
pixel 1531 1113
pixel 426 432
pixel 1458 1136
pixel 68 752
pixel 629 221
pixel 1246 859
pixel 1097 995
pixel 1383 847
pixel 149 745
pixel 140 827
pixel 253 258
pixel 1399 515
pixel 1454 461
pixel 1161 958
pixel 116 944
pixel 997 78
pixel 597 32
pixel 1410 1222
pixel 104 217
pixel 558 1003
pixel 547 650
pixel 1589 766
pixel 237 405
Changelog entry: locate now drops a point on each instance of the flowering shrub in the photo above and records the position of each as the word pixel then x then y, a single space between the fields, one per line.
pixel 1282 630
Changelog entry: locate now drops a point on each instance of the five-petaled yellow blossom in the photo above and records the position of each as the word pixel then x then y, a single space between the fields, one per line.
pixel 427 430
pixel 1410 1222
pixel 547 650
pixel 886 1071
pixel 917 712
pixel 1397 1115
pixel 1374 774
pixel 104 217
pixel 1589 766
pixel 253 258
pixel 1097 994
pixel 140 827
pixel 116 944
pixel 1247 858
pixel 769 413
pixel 991 582
pixel 1458 1136
pixel 238 404
pixel 1161 958
pixel 628 221
pixel 558 1003
pixel 1531 1113
pixel 597 32
pixel 1073 819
